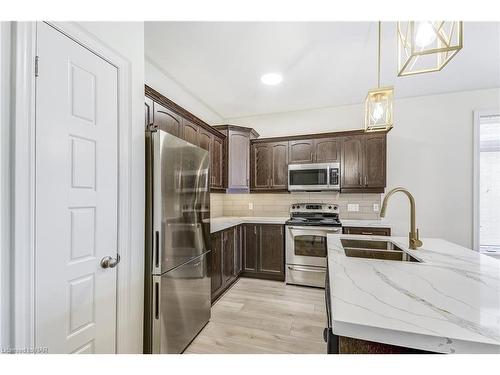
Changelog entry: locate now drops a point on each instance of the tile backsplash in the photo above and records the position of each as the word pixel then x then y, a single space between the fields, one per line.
pixel 279 204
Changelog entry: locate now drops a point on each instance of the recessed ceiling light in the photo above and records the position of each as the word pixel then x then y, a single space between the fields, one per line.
pixel 271 79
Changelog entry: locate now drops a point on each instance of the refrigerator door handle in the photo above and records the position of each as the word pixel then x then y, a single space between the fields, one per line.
pixel 156 336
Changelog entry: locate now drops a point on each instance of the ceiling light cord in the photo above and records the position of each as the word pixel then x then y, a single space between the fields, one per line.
pixel 378 67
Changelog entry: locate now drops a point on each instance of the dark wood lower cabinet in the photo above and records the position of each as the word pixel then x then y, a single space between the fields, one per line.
pixel 349 345
pixel 225 260
pixel 264 251
pixel 250 250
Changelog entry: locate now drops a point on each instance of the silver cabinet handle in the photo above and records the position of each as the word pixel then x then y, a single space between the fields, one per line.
pixel 365 181
pixel 110 262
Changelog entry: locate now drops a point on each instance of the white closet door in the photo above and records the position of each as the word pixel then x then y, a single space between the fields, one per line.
pixel 76 197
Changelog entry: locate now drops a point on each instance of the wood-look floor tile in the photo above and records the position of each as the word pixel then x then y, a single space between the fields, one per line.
pixel 262 316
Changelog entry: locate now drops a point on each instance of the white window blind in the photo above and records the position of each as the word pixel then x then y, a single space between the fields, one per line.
pixel 489 183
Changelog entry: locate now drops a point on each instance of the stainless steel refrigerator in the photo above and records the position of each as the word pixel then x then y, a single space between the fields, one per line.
pixel 177 286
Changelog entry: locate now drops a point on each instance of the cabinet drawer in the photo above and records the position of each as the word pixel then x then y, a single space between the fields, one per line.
pixel 368 231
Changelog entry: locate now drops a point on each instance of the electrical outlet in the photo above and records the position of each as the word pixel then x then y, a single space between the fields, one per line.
pixel 250 206
pixel 376 207
pixel 352 207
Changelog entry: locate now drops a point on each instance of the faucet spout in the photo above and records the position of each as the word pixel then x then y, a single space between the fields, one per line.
pixel 414 241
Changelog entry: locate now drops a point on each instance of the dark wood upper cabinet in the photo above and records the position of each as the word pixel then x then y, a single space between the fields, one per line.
pixel 205 140
pixel 327 150
pixel 190 132
pixel 217 163
pixel 161 112
pixel 352 162
pixel 269 166
pixel 364 163
pixel 260 164
pixel 374 163
pixel 279 165
pixel 301 151
pixel 167 120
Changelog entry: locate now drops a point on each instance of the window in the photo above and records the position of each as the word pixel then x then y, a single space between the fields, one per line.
pixel 487 181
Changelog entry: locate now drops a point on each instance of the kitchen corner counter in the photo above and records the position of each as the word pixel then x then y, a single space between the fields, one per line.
pixel 220 223
pixel 449 303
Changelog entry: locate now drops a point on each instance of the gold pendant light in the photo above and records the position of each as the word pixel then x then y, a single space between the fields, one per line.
pixel 427 46
pixel 378 103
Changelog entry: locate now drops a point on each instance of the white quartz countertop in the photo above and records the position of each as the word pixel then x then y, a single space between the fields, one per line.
pixel 366 223
pixel 224 222
pixel 449 303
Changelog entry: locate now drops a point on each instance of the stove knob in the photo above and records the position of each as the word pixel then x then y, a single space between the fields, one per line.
pixel 329 207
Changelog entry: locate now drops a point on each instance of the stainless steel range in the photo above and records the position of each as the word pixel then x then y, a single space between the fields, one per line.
pixel 306 248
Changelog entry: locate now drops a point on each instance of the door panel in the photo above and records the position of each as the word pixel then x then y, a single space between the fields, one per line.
pixel 228 254
pixel 374 165
pixel 352 162
pixel 250 251
pixel 76 197
pixel 190 132
pixel 215 268
pixel 301 151
pixel 217 162
pixel 167 120
pixel 261 162
pixel 238 174
pixel 327 150
pixel 271 249
pixel 183 306
pixel 279 165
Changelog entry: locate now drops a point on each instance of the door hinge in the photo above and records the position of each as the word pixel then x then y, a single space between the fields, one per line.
pixel 36 65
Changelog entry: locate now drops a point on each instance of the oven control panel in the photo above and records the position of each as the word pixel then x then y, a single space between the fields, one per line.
pixel 314 207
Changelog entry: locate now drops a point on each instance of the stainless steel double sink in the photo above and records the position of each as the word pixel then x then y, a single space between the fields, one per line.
pixel 375 249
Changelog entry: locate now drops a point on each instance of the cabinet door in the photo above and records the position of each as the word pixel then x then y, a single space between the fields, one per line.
pixel 261 166
pixel 374 163
pixel 205 139
pixel 250 247
pixel 327 150
pixel 217 162
pixel 352 162
pixel 167 120
pixel 215 262
pixel 279 165
pixel 301 151
pixel 238 261
pixel 190 132
pixel 271 255
pixel 239 163
pixel 228 255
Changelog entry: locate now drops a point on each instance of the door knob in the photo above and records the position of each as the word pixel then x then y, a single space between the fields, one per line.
pixel 110 262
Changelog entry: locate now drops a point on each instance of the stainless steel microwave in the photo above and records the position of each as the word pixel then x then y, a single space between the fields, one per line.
pixel 314 177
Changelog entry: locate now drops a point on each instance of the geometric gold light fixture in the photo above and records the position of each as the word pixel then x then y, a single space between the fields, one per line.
pixel 427 46
pixel 379 103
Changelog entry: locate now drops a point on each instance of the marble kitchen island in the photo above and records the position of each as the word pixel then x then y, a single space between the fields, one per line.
pixel 447 303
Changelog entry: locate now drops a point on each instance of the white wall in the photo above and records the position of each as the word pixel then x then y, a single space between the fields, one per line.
pixel 159 80
pixel 127 39
pixel 429 152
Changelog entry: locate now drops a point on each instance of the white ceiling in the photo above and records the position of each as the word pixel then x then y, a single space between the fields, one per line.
pixel 323 64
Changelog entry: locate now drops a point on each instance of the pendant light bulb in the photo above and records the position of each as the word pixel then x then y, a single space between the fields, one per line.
pixel 378 111
pixel 425 35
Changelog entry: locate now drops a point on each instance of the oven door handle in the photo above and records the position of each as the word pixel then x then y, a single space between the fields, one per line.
pixel 316 229
pixel 294 268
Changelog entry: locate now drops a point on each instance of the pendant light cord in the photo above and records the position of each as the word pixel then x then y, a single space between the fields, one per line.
pixel 379 28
